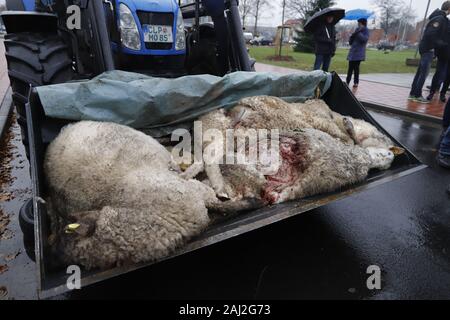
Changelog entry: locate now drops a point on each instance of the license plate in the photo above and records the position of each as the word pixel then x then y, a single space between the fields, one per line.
pixel 158 34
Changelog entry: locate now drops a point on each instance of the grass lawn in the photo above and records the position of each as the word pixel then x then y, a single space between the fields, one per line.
pixel 376 62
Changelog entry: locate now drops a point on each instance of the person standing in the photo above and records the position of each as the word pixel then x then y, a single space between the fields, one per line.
pixel 445 121
pixel 441 77
pixel 445 85
pixel 357 54
pixel 325 43
pixel 434 38
pixel 443 158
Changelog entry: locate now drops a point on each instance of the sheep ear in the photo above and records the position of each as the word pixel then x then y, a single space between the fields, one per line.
pixel 397 151
pixel 350 128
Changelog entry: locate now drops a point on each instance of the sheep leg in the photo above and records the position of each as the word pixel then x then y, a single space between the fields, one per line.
pixel 217 182
pixel 230 208
pixel 351 130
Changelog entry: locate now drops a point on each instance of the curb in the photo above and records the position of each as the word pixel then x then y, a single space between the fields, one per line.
pixel 402 112
pixel 5 111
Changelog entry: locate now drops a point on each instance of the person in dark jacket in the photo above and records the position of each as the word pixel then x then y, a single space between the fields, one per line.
pixel 433 41
pixel 325 40
pixel 445 121
pixel 443 158
pixel 446 79
pixel 442 69
pixel 446 84
pixel 357 54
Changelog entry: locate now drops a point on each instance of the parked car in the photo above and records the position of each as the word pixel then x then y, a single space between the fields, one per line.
pixel 248 36
pixel 261 41
pixel 386 46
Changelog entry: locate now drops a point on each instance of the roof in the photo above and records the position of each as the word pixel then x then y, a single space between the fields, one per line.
pixel 293 22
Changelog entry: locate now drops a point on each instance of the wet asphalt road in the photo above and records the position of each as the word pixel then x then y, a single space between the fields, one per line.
pixel 403 227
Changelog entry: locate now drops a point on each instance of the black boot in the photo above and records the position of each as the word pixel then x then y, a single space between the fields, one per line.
pixel 430 96
pixel 443 98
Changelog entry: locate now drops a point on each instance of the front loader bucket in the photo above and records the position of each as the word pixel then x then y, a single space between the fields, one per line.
pixel 53 278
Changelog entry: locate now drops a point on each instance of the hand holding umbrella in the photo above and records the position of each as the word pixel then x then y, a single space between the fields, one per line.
pixel 357 14
pixel 319 17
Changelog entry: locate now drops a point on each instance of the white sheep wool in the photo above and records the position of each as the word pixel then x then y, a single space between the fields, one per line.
pixel 125 201
pixel 115 185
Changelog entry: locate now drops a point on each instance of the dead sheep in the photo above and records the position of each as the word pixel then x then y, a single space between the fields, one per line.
pixel 115 188
pixel 311 162
pixel 273 112
pixel 264 112
pixel 362 133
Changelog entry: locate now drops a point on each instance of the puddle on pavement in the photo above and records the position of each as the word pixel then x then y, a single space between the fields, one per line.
pixel 6 154
pixel 17 270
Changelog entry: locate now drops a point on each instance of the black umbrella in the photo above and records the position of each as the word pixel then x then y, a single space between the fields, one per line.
pixel 318 18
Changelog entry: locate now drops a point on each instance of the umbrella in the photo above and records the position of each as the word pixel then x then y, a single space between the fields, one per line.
pixel 318 18
pixel 358 14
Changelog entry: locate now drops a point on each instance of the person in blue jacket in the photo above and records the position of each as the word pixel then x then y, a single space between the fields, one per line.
pixel 357 54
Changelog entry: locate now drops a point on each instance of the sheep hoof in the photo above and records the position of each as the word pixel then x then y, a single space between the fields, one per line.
pixel 223 196
pixel 184 166
pixel 350 128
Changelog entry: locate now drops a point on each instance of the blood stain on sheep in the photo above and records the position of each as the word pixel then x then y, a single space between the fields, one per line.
pixel 293 152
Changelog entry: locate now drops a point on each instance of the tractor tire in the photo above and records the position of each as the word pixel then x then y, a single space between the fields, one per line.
pixel 35 59
pixel 26 223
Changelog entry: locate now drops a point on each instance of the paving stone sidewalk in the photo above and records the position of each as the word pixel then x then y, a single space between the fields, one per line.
pixel 391 90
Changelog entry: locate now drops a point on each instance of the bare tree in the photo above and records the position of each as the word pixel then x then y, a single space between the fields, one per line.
pixel 258 6
pixel 409 18
pixel 303 8
pixel 299 8
pixel 390 12
pixel 245 9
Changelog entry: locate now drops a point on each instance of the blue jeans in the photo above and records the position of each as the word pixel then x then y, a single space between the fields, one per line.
pixel 440 75
pixel 445 146
pixel 322 59
pixel 422 73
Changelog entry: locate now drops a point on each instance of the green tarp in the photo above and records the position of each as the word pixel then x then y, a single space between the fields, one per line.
pixel 143 102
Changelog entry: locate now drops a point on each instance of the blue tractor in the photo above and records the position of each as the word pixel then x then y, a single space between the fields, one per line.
pixel 55 41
